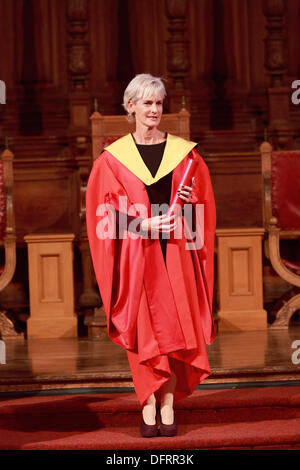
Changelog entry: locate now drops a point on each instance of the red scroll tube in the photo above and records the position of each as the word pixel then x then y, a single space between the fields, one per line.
pixel 186 180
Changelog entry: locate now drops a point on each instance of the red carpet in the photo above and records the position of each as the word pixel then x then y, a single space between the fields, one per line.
pixel 252 418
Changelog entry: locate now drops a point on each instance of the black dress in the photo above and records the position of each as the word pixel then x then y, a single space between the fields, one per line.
pixel 159 192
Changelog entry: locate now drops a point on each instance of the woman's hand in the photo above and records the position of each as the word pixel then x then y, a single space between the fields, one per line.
pixel 162 223
pixel 159 223
pixel 185 192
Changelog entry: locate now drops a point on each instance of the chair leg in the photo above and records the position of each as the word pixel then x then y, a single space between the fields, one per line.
pixel 10 261
pixel 275 258
pixel 284 315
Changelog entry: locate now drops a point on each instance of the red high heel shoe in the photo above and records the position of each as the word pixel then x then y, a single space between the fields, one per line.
pixel 148 430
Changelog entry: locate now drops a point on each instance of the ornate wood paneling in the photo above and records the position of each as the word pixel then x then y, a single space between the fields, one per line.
pixel 51 201
pixel 7 42
pixel 79 64
pixel 38 42
pixel 133 43
pixel 33 45
pixel 178 51
pixel 211 50
pixel 218 54
pixel 46 185
pixel 236 180
pixel 279 95
pixel 220 74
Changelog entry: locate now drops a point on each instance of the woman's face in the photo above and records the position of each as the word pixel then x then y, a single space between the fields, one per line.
pixel 147 111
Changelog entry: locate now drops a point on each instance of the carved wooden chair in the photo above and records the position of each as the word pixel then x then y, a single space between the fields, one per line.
pixel 7 228
pixel 281 210
pixel 105 130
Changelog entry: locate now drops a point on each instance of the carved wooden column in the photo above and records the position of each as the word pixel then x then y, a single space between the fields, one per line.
pixel 177 53
pixel 89 298
pixel 279 95
pixel 78 64
pixel 7 235
pixel 79 67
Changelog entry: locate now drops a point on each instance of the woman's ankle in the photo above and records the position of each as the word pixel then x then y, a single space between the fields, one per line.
pixel 167 414
pixel 167 399
pixel 149 414
pixel 149 411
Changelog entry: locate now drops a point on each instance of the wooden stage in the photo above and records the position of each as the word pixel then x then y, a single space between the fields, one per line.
pixel 60 364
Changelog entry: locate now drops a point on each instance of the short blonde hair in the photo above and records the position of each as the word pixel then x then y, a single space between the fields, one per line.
pixel 143 85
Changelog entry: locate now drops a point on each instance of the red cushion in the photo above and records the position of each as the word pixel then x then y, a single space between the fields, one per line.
pixel 291 264
pixel 285 168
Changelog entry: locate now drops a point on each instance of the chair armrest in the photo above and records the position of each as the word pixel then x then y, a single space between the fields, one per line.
pixel 7 158
pixel 275 258
pixel 265 151
pixel 10 231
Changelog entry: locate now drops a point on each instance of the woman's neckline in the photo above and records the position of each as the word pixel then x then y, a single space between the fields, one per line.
pixel 150 145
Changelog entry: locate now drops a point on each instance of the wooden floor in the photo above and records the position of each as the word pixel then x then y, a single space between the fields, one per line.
pixel 48 364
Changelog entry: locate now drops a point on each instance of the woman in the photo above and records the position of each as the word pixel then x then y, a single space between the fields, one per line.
pixel 155 281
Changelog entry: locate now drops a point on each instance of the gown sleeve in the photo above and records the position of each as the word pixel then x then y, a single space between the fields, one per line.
pixel 118 263
pixel 124 222
pixel 202 244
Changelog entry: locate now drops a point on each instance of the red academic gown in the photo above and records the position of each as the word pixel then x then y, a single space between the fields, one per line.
pixel 155 310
